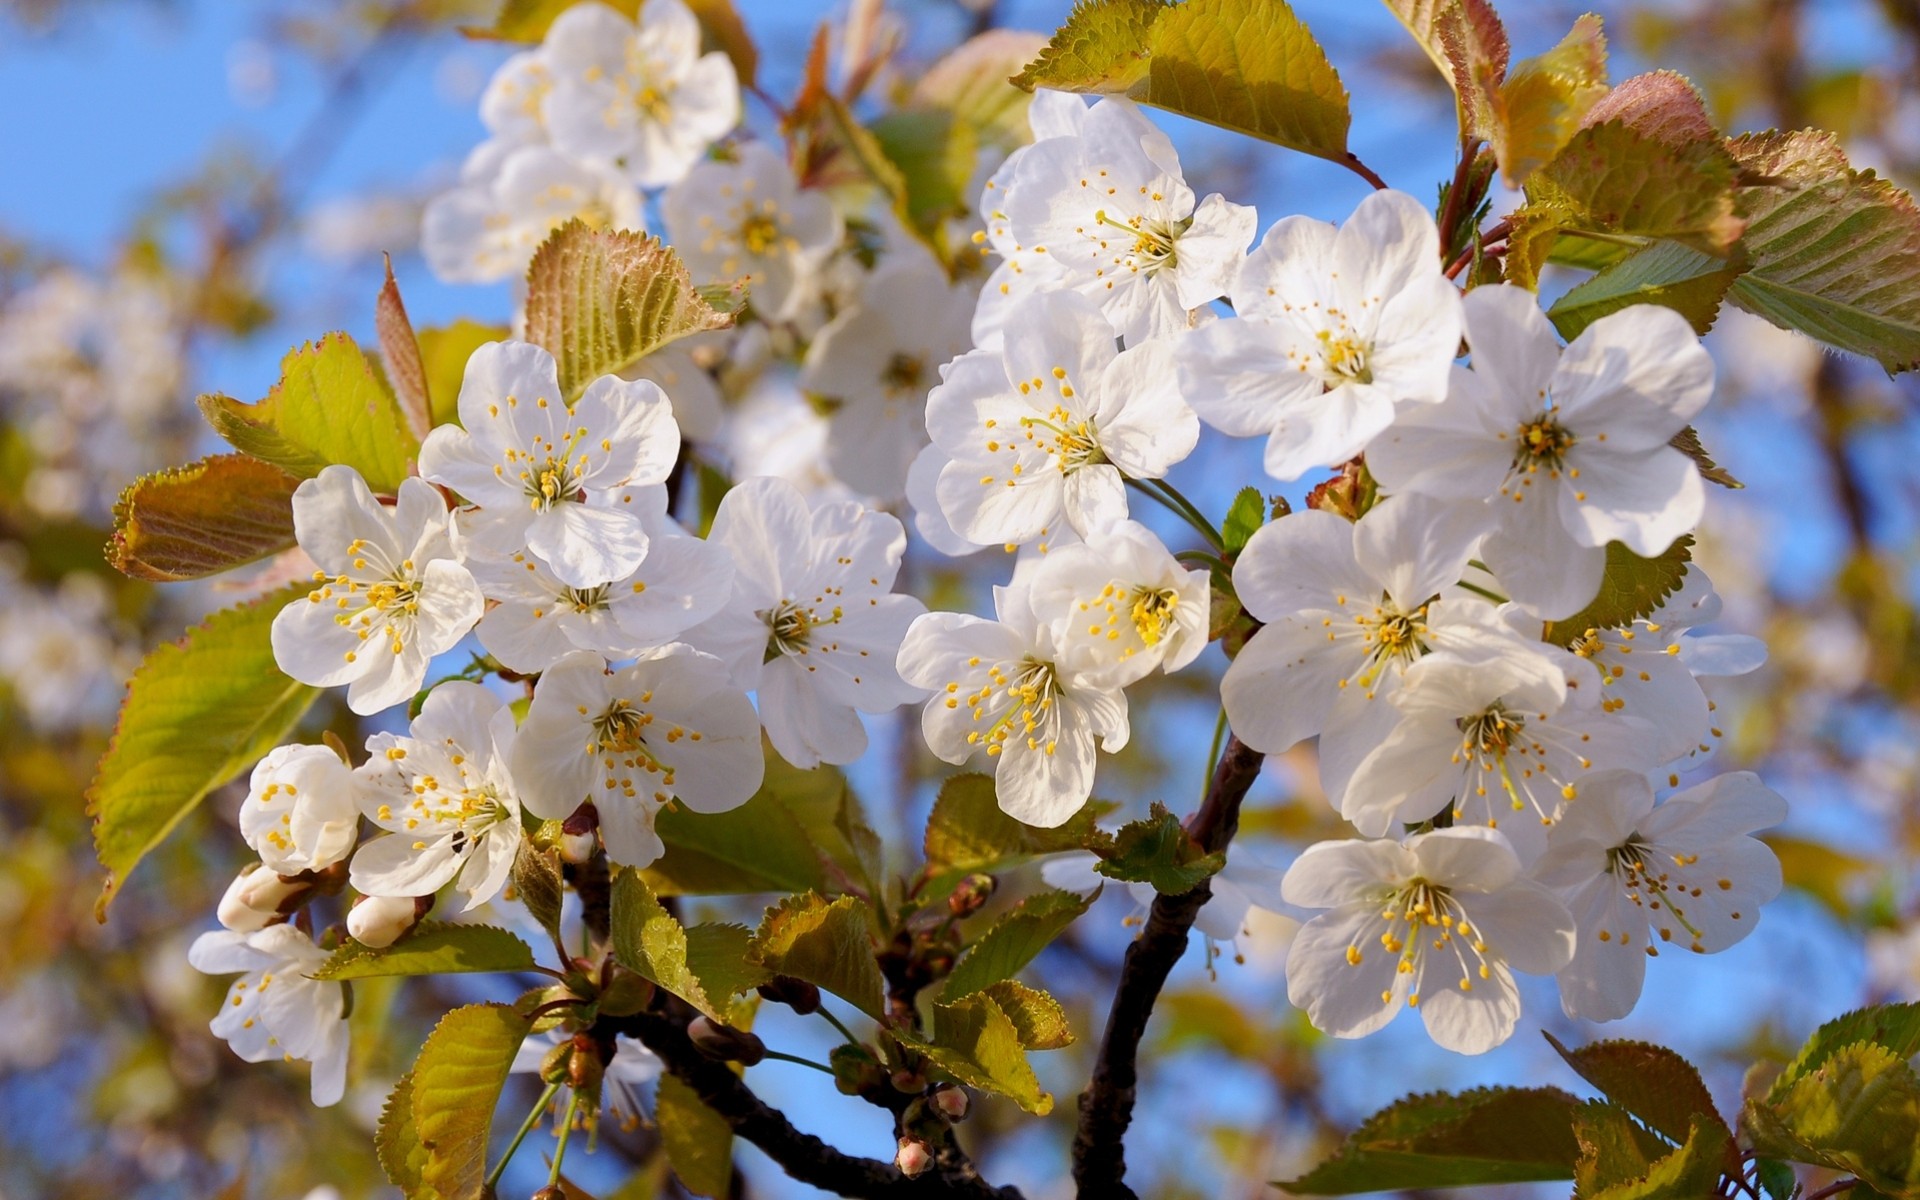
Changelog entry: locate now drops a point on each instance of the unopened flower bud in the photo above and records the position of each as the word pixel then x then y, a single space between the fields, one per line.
pixel 254 899
pixel 913 1157
pixel 577 848
pixel 552 1191
pixel 797 994
pixel 952 1103
pixel 970 894
pixel 378 921
pixel 725 1043
pixel 557 1066
pixel 585 1068
pixel 908 1081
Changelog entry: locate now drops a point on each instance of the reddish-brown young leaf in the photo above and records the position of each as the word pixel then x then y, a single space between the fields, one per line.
pixel 401 350
pixel 198 520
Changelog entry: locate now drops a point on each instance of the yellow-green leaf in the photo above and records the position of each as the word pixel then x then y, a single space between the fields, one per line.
pixel 1104 46
pixel 1037 1017
pixel 1015 940
pixel 717 956
pixel 971 83
pixel 602 299
pixel 456 1084
pixel 1656 1085
pixel 722 29
pixel 198 712
pixel 1666 273
pixel 1157 851
pixel 528 20
pixel 540 884
pixel 977 1043
pixel 1858 1111
pixel 1895 1026
pixel 649 941
pixel 1611 179
pixel 396 1143
pixel 1662 105
pixel 968 832
pixel 772 843
pixel 329 407
pixel 1485 1136
pixel 431 948
pixel 698 1141
pixel 1544 99
pixel 198 520
pixel 828 945
pixel 444 351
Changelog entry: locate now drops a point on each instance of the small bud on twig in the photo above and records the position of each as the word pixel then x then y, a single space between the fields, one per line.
pixel 378 921
pixel 953 1103
pixel 725 1042
pixel 970 894
pixel 797 994
pixel 913 1157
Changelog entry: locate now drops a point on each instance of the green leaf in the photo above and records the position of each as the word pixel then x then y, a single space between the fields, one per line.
pixel 1488 1135
pixel 1158 851
pixel 1835 252
pixel 198 520
pixel 967 832
pixel 444 351
pixel 935 152
pixel 828 945
pixel 601 300
pixel 456 1084
pixel 698 1141
pixel 1654 1084
pixel 329 407
pixel 772 843
pixel 650 942
pixel 1689 1172
pixel 198 712
pixel 1015 940
pixel 540 884
pixel 431 948
pixel 1614 1148
pixel 1858 1111
pixel 397 1143
pixel 1244 519
pixel 971 83
pixel 1894 1026
pixel 1037 1017
pixel 1542 102
pixel 717 956
pixel 1668 273
pixel 977 1043
pixel 1631 588
pixel 1250 66
pixel 1777 1179
pixel 1687 442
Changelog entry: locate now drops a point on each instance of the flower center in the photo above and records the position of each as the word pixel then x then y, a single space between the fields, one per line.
pixel 1344 357
pixel 903 374
pixel 1153 613
pixel 1020 704
pixel 1422 918
pixel 653 104
pixel 620 729
pixel 1541 442
pixel 790 628
pixel 586 600
pixel 1634 864
pixel 1070 439
pixel 759 233
pixel 1153 247
pixel 554 482
pixel 389 604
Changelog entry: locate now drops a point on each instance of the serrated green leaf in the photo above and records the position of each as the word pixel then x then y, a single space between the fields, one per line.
pixel 1104 46
pixel 431 948
pixel 1489 1135
pixel 602 299
pixel 456 1084
pixel 1777 1179
pixel 1653 1083
pixel 329 407
pixel 1158 851
pixel 1894 1026
pixel 1835 252
pixel 539 883
pixel 198 520
pixel 717 956
pixel 396 1143
pixel 1036 1016
pixel 1244 519
pixel 1858 1111
pixel 1015 940
pixel 967 831
pixel 444 351
pixel 1474 54
pixel 1631 588
pixel 1666 273
pixel 828 945
pixel 977 1043
pixel 772 843
pixel 198 712
pixel 648 941
pixel 1541 102
pixel 1690 1172
pixel 1614 1148
pixel 1687 442
pixel 698 1141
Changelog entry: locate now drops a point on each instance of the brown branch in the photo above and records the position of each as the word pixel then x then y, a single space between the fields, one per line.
pixel 1106 1107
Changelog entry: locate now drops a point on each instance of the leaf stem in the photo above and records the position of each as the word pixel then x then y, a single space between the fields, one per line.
pixel 795 1058
pixel 526 1127
pixel 1164 492
pixel 1477 590
pixel 1206 557
pixel 838 1024
pixel 1213 752
pixel 1352 163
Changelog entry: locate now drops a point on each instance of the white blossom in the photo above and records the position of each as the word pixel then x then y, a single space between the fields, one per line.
pixel 670 727
pixel 1439 923
pixel 512 104
pixel 813 624
pixel 389 594
pixel 509 199
pixel 557 482
pixel 274 1010
pixel 1122 601
pixel 300 812
pixel 748 219
pixel 1638 877
pixel 1020 271
pixel 1335 330
pixel 1570 448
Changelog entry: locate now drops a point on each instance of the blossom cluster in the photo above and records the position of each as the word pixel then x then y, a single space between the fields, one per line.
pixel 1501 768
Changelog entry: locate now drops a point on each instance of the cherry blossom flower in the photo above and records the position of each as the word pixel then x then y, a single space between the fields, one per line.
pixel 671 726
pixel 443 794
pixel 1688 870
pixel 1021 271
pixel 556 482
pixel 536 619
pixel 1571 448
pixel 509 199
pixel 813 624
pixel 1004 687
pixel 1335 330
pixel 1439 922
pixel 642 96
pixel 511 106
pixel 389 594
pixel 1122 604
pixel 748 219
pixel 1050 426
pixel 1111 208
pixel 274 1010
pixel 300 812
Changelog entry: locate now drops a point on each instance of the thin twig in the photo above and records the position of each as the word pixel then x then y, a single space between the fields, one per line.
pixel 1352 163
pixel 1106 1107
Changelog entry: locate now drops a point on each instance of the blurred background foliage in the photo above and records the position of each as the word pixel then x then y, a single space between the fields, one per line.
pixel 194 186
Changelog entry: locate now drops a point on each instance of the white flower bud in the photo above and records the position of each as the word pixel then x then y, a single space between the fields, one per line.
pixel 253 899
pixel 913 1158
pixel 378 921
pixel 951 1103
pixel 576 847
